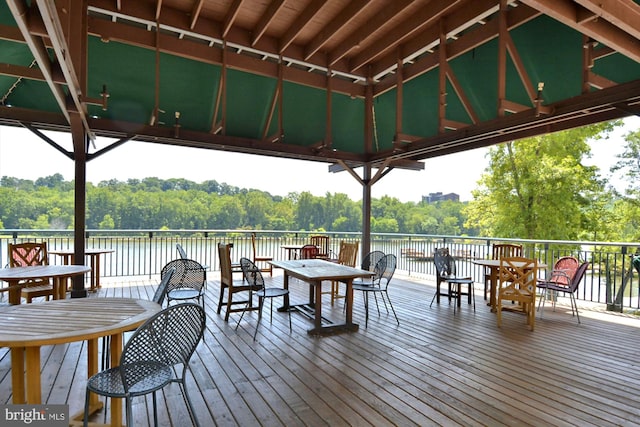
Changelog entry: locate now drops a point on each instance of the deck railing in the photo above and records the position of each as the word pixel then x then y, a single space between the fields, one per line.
pixel 611 279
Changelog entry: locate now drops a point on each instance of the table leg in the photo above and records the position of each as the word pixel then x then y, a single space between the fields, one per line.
pixel 318 305
pixel 15 292
pixel 32 368
pixel 17 375
pixel 349 302
pixel 493 281
pixel 95 272
pixel 116 404
pixel 285 302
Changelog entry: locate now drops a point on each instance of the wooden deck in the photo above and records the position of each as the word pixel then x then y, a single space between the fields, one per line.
pixel 433 369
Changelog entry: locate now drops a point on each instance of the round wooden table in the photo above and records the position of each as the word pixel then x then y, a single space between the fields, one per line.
pixel 59 274
pixel 25 328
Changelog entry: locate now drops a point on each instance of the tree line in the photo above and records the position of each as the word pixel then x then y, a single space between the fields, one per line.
pixel 536 188
pixel 153 203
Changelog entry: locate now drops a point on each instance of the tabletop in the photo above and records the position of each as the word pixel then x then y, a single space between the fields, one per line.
pixel 319 269
pixel 41 271
pixel 68 320
pixel 495 263
pixel 88 251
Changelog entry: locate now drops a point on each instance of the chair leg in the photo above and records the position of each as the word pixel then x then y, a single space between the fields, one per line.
pixel 366 308
pixel 222 288
pixel 185 394
pixel 86 408
pixel 260 304
pixel 572 298
pixel 391 305
pixel 155 409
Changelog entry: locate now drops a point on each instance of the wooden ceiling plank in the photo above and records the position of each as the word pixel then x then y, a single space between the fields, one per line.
pixel 520 68
pixel 566 12
pixel 426 16
pixel 268 16
pixel 366 31
pixel 301 22
pixel 231 16
pixel 341 21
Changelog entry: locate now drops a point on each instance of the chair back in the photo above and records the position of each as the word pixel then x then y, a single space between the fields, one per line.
pixel 181 251
pixel 168 338
pixel 564 270
pixel 28 254
pixel 252 274
pixel 224 255
pixel 348 253
pixel 371 259
pixel 577 277
pixel 444 263
pixel 161 291
pixel 517 278
pixel 188 274
pixel 506 250
pixel 322 242
pixel 309 252
pixel 389 262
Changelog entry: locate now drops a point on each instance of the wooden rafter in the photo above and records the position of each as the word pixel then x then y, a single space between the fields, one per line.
pixel 195 13
pixel 265 20
pixel 229 20
pixel 301 22
pixel 346 16
pixel 567 12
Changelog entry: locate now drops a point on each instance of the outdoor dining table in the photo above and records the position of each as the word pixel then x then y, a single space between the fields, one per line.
pixel 292 250
pixel 59 274
pixel 68 256
pixel 27 327
pixel 494 266
pixel 314 272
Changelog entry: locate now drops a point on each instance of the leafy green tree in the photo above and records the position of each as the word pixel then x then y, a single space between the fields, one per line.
pixel 626 210
pixel 538 188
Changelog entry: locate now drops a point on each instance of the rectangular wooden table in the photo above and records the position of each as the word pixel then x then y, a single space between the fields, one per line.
pixel 314 272
pixel 93 254
pixel 494 266
pixel 27 327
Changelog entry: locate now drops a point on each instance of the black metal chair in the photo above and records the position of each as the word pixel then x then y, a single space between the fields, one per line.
pixel 181 251
pixel 187 282
pixel 157 354
pixel 369 263
pixel 158 296
pixel 161 291
pixel 255 280
pixel 383 272
pixel 446 272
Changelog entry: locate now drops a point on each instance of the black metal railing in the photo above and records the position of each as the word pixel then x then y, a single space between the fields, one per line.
pixel 611 279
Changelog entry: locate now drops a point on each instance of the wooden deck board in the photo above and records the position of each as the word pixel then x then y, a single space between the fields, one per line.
pixel 435 368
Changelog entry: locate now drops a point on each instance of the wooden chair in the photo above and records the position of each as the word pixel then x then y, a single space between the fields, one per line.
pixel 30 254
pixel 517 279
pixel 347 256
pixel 499 251
pixel 322 243
pixel 262 261
pixel 228 285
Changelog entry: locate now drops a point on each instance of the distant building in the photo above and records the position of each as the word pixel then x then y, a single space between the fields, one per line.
pixel 438 197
